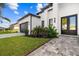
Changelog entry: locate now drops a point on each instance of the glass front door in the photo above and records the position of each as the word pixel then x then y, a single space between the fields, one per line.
pixel 69 25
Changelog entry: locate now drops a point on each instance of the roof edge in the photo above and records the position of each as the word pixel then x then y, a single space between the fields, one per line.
pixel 28 15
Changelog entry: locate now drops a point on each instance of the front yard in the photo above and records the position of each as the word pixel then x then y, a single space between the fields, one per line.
pixel 19 45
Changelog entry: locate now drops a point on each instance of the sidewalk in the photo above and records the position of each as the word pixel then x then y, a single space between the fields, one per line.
pixel 10 35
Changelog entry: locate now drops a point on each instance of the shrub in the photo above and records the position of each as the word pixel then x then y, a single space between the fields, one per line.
pixel 26 32
pixel 52 32
pixel 39 32
pixel 49 32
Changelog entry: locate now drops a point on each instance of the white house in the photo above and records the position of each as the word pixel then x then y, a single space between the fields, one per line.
pixel 64 16
pixel 29 21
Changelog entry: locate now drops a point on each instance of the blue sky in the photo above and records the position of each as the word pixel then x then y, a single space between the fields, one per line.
pixel 17 10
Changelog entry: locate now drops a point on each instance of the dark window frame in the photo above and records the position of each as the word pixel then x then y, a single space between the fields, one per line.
pixel 69 24
pixel 50 21
pixel 42 23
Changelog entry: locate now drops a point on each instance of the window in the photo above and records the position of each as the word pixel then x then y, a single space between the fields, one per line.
pixel 54 20
pixel 42 23
pixel 50 21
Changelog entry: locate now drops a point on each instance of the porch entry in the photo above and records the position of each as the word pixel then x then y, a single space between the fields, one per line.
pixel 23 27
pixel 69 25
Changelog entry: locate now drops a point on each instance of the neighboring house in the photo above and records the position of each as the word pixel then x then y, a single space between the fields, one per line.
pixel 2 28
pixel 14 27
pixel 29 21
pixel 64 16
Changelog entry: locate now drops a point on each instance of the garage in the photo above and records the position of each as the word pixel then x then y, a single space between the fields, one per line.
pixel 23 27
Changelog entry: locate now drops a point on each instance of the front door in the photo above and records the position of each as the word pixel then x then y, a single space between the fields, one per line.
pixel 69 25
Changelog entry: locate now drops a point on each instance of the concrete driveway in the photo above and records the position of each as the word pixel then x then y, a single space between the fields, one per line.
pixel 65 45
pixel 10 35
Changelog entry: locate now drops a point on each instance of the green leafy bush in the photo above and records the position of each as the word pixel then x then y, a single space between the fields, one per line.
pixel 26 32
pixel 39 31
pixel 52 32
pixel 49 32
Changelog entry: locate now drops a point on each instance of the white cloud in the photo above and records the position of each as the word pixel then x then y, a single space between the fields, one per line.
pixel 16 12
pixel 13 6
pixel 39 6
pixel 31 7
pixel 25 12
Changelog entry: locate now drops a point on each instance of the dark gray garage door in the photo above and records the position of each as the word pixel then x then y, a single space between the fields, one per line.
pixel 23 27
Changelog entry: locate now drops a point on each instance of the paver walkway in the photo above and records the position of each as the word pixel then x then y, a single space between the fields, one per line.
pixel 10 35
pixel 65 45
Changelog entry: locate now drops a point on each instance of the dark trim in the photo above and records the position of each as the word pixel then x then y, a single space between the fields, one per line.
pixel 40 12
pixel 27 16
pixel 42 23
pixel 50 21
pixel 49 5
pixel 68 23
pixel 50 9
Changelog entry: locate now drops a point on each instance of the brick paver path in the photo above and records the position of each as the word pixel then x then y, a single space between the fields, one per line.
pixel 65 45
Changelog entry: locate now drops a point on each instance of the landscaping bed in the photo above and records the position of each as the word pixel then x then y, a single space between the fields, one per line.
pixel 20 45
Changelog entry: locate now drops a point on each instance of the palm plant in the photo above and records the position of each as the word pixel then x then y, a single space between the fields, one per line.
pixel 2 5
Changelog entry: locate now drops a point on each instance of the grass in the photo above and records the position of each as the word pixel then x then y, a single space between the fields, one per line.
pixel 19 45
pixel 7 31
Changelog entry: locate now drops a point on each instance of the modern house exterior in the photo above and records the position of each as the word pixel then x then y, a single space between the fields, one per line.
pixel 64 16
pixel 29 21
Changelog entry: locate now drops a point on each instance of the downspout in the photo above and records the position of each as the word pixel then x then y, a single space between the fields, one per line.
pixel 30 24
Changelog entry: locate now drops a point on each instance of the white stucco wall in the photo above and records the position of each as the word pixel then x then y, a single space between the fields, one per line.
pixel 53 14
pixel 66 9
pixel 55 17
pixel 49 15
pixel 43 16
pixel 35 22
pixel 27 19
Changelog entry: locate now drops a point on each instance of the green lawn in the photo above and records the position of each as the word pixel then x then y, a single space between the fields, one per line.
pixel 19 45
